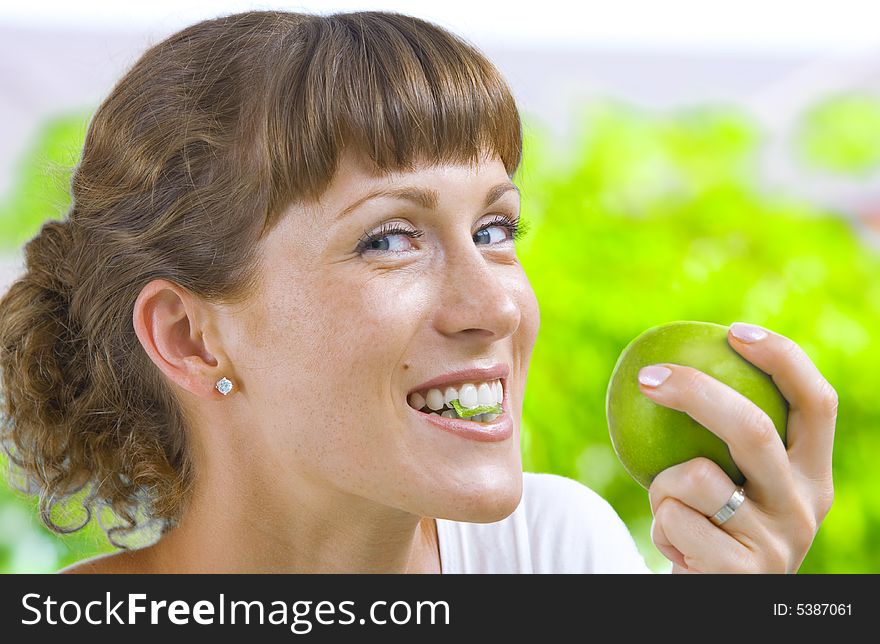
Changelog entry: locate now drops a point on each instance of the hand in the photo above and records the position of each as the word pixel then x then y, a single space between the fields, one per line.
pixel 788 491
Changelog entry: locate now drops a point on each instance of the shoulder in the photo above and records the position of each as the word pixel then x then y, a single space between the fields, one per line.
pixel 123 562
pixel 546 493
pixel 573 529
pixel 560 501
pixel 559 526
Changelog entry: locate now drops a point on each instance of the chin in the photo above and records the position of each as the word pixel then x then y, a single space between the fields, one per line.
pixel 490 497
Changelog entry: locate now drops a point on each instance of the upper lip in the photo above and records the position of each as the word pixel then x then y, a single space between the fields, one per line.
pixel 473 374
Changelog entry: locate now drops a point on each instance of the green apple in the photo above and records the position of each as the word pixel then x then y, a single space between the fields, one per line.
pixel 649 437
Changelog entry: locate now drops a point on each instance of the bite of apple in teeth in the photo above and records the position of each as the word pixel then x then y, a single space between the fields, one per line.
pixel 477 401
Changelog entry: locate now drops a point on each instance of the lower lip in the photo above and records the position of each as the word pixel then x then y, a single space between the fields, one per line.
pixel 499 429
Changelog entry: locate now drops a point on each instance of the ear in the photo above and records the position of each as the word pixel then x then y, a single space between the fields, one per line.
pixel 170 324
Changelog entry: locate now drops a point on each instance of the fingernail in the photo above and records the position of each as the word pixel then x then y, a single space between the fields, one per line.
pixel 747 332
pixel 654 376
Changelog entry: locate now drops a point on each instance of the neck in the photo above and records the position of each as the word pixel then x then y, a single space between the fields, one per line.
pixel 233 525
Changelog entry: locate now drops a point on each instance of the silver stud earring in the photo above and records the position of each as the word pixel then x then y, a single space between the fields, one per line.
pixel 224 386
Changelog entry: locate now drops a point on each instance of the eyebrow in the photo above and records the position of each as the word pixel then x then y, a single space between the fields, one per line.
pixel 425 197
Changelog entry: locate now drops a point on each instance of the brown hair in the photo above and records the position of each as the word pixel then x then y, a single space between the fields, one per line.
pixel 187 164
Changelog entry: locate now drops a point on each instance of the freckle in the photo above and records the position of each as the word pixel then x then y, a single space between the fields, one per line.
pixel 405 366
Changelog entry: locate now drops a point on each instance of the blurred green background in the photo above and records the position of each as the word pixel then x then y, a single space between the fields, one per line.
pixel 643 220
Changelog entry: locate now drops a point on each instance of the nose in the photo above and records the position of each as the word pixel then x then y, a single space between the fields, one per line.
pixel 478 297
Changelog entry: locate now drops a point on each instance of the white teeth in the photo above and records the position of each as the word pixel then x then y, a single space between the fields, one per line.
pixel 434 399
pixel 468 396
pixel 488 418
pixel 485 395
pixel 449 413
pixel 449 395
pixel 416 401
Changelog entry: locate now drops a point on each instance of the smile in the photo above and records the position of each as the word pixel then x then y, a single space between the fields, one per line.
pixel 469 397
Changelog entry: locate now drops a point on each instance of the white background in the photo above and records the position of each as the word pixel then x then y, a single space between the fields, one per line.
pixel 771 57
pixel 801 26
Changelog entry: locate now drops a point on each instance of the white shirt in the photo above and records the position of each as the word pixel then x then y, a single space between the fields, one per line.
pixel 559 526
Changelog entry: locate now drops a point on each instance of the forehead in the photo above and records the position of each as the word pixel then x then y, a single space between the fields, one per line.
pixel 356 176
pixel 435 186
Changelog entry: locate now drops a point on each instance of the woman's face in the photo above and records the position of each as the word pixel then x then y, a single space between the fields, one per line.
pixel 342 332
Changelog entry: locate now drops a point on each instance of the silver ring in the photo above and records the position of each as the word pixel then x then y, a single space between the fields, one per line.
pixel 727 511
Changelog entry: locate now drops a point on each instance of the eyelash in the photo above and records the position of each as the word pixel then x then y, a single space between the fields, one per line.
pixel 514 225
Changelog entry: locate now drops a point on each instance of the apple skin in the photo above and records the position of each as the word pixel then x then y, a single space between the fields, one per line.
pixel 649 437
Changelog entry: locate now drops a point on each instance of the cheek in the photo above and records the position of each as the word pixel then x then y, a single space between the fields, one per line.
pixel 530 312
pixel 331 351
pixel 368 326
pixel 525 337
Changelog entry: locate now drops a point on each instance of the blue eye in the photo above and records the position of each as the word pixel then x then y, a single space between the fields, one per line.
pixel 378 242
pixel 383 244
pixel 514 226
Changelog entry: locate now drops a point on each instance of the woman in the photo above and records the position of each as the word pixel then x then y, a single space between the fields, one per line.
pixel 291 248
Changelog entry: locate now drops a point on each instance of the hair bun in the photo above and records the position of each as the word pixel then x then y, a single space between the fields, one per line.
pixel 39 370
pixel 47 257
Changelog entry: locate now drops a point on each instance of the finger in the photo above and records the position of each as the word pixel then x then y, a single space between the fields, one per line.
pixel 706 548
pixel 811 398
pixel 748 431
pixel 701 484
pixel 664 545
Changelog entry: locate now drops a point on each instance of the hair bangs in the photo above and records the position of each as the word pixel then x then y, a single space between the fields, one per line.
pixel 397 90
